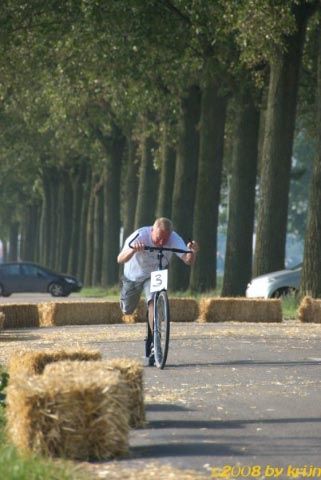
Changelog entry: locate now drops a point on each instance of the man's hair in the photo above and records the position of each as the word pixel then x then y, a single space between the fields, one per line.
pixel 164 224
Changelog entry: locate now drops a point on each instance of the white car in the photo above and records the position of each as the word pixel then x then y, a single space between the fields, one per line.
pixel 275 284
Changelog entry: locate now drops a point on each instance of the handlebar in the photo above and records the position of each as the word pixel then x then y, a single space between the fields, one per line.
pixel 150 248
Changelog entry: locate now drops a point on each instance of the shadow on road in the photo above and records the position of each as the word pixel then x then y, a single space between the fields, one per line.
pixel 226 424
pixel 246 363
pixel 16 337
pixel 165 407
pixel 195 449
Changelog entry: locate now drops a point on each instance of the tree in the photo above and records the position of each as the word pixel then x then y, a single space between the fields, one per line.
pixel 186 171
pixel 311 278
pixel 277 147
pixel 212 124
pixel 238 257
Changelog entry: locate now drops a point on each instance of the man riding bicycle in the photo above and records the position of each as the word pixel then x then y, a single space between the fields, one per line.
pixel 139 264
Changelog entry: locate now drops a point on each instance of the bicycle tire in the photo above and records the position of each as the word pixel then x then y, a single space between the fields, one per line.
pixel 161 328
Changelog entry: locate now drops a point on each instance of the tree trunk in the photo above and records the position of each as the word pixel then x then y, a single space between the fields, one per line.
pixel 148 183
pixel 54 216
pixel 185 179
pixel 64 222
pixel 46 238
pixel 167 174
pixel 78 179
pixel 88 274
pixel 238 257
pixel 5 253
pixel 130 188
pixel 81 253
pixel 29 233
pixel 212 124
pixel 311 277
pixel 98 235
pixel 277 150
pixel 13 241
pixel 110 273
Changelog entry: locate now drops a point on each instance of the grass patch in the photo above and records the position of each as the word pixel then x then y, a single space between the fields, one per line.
pixel 17 467
pixel 111 294
pixel 290 305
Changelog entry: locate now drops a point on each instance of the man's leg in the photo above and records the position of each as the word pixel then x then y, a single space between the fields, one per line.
pixel 150 323
pixel 129 295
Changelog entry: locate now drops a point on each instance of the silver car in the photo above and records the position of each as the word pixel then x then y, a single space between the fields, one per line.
pixel 275 284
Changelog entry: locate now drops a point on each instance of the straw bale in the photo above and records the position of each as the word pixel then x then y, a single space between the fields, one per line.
pixel 81 416
pixel 131 371
pixel 183 309
pixel 2 317
pixel 310 310
pixel 79 313
pixel 33 362
pixel 139 314
pixel 20 315
pixel 240 310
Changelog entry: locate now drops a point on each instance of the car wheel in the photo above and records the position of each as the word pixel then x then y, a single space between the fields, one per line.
pixel 284 292
pixel 57 290
pixel 3 293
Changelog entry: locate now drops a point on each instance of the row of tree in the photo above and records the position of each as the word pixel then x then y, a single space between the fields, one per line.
pixel 113 113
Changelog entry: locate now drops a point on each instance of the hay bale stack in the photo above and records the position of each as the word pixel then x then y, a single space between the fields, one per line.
pixel 240 310
pixel 79 313
pixel 34 362
pixel 82 416
pixel 310 310
pixel 2 317
pixel 183 309
pixel 20 315
pixel 131 372
pixel 138 316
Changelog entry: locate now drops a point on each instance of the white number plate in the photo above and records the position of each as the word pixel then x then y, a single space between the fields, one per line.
pixel 158 280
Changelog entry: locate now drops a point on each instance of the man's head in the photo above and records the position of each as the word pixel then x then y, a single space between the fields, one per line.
pixel 161 231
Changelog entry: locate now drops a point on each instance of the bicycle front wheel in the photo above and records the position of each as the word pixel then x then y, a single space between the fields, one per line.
pixel 161 328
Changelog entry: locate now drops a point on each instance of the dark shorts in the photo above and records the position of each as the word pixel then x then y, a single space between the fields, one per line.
pixel 130 293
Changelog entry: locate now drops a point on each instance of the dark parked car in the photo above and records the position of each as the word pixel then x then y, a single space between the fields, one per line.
pixel 16 277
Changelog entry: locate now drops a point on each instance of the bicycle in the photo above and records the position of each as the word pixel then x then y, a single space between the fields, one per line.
pixel 161 320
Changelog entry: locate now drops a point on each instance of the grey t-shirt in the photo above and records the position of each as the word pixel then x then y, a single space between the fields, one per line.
pixel 143 263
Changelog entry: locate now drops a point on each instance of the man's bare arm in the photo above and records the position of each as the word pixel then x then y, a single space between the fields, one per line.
pixel 129 252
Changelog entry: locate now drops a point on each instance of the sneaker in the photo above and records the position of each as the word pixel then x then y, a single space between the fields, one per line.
pixel 148 346
pixel 151 360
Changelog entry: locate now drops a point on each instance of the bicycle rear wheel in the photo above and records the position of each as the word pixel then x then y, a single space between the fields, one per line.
pixel 161 328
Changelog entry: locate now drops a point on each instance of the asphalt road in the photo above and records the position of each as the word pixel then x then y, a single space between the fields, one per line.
pixel 229 398
pixel 235 395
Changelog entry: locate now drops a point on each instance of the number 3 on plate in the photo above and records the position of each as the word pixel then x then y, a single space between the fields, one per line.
pixel 158 280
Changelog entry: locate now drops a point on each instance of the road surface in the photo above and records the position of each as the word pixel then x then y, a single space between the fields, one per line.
pixel 232 395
